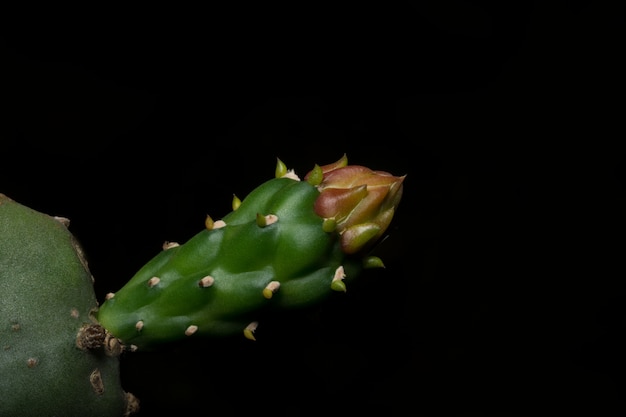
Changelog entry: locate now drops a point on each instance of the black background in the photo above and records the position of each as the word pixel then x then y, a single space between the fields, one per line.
pixel 503 292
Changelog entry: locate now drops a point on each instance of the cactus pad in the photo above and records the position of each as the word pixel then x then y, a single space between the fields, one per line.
pixel 55 360
pixel 273 251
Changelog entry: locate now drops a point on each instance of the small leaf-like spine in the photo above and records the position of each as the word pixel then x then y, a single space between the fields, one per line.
pixel 329 224
pixel 282 172
pixel 315 176
pixel 236 202
pixel 139 325
pixel 153 281
pixel 372 262
pixel 281 168
pixel 208 223
pixel 263 221
pixel 337 283
pixel 211 225
pixel 248 332
pixel 191 330
pixel 170 245
pixel 271 289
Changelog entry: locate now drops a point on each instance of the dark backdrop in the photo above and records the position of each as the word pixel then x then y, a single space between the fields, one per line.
pixel 504 290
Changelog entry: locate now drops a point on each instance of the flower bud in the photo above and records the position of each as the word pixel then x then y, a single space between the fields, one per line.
pixel 361 201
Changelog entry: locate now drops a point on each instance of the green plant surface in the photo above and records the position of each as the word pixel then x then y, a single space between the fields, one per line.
pixel 52 356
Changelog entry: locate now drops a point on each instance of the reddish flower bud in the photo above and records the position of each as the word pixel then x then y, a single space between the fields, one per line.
pixel 360 200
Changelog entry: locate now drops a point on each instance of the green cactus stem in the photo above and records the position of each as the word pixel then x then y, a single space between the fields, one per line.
pixel 55 359
pixel 275 251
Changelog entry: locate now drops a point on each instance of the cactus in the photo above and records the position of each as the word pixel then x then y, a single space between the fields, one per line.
pixel 288 244
pixel 55 359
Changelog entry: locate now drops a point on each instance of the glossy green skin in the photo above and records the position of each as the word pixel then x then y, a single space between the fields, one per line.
pixel 243 258
pixel 46 295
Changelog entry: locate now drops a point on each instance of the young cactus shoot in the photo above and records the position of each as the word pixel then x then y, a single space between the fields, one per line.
pixel 290 243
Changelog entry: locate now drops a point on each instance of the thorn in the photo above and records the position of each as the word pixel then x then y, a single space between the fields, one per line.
pixel 281 168
pixel 208 223
pixel 263 221
pixel 191 330
pixel 153 281
pixel 271 289
pixel 316 176
pixel 372 262
pixel 109 296
pixel 133 348
pixel 169 245
pixel 248 332
pixel 329 224
pixel 283 172
pixel 337 283
pixel 206 281
pixel 338 286
pixel 139 325
pixel 236 202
